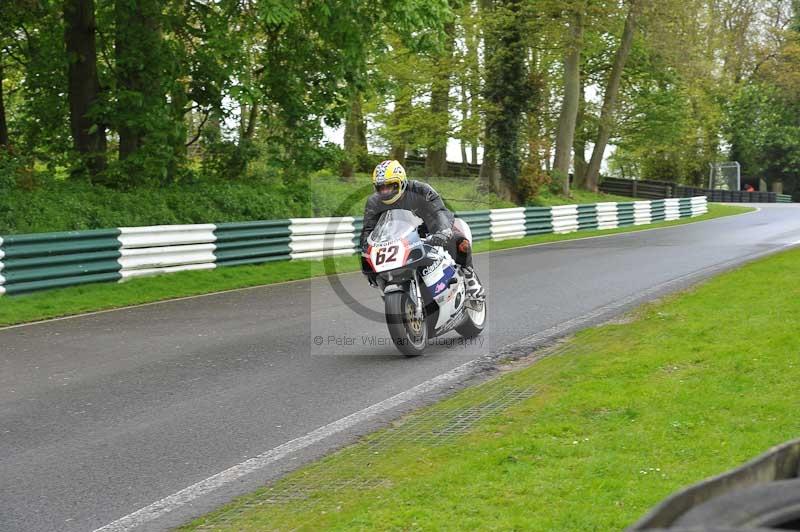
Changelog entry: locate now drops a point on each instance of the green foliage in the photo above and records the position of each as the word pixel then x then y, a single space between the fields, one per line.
pixel 79 205
pixel 196 92
pixel 763 120
pixel 506 88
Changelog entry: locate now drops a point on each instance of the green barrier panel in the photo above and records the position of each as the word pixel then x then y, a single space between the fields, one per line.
pixel 252 242
pixel 657 210
pixel 625 215
pixel 63 243
pixel 15 274
pixel 538 220
pixel 587 217
pixel 50 260
pixel 21 288
pixel 358 224
pixel 479 223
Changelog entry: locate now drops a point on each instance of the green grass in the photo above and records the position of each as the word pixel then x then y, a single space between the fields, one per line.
pixel 335 195
pixel 622 416
pixel 548 199
pixel 94 297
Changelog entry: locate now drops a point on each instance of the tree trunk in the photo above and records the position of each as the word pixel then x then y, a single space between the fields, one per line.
pixel 490 174
pixel 138 63
pixel 610 97
pixel 402 108
pixel 436 158
pixel 464 118
pixel 579 144
pixel 252 118
pixel 506 92
pixel 355 137
pixel 569 108
pixel 179 101
pixel 83 86
pixel 4 140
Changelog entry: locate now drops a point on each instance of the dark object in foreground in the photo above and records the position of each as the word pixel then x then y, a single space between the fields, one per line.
pixel 761 495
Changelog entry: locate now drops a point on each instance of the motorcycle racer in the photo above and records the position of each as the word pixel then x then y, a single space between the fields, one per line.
pixel 393 190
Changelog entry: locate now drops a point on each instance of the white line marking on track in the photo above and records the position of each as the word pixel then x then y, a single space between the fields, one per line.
pixel 186 495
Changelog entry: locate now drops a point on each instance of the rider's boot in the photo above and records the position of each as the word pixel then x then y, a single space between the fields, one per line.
pixel 475 290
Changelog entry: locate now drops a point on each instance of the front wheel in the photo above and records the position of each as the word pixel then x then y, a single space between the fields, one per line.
pixel 474 320
pixel 409 334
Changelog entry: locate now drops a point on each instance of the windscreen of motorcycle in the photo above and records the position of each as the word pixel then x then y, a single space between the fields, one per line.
pixel 395 224
pixel 392 239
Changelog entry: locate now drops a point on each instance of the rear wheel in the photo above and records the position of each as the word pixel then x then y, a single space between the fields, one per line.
pixel 409 333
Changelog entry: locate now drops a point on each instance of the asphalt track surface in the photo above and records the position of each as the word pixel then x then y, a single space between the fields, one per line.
pixel 101 415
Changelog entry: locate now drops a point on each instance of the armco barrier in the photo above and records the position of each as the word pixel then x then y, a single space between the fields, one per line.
pixel 647 189
pixel 538 220
pixel 50 260
pixel 565 218
pixel 480 223
pixel 240 243
pixel 507 223
pixel 166 249
pixel 311 238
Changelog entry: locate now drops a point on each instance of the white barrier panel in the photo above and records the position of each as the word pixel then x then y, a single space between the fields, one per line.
pixel 321 226
pixel 168 256
pixel 322 242
pixel 607 215
pixel 166 235
pixel 507 223
pixel 699 205
pixel 672 209
pixel 641 212
pixel 316 238
pixel 565 218
pixel 128 274
pixel 323 254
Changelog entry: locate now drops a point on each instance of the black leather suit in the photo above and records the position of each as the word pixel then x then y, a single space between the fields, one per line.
pixel 425 202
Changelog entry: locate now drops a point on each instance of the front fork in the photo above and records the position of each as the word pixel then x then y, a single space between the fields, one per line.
pixel 414 294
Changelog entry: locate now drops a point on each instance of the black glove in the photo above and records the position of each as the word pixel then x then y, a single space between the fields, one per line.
pixel 439 238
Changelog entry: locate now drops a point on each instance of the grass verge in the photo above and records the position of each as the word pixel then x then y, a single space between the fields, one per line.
pixel 616 419
pixel 545 198
pixel 94 297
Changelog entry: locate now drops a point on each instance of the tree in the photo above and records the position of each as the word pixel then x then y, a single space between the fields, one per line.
pixel 507 94
pixel 4 140
pixel 140 59
pixel 611 93
pixel 569 107
pixel 355 136
pixel 88 133
pixel 436 158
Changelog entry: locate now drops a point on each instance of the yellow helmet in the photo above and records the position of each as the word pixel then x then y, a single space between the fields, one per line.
pixel 390 181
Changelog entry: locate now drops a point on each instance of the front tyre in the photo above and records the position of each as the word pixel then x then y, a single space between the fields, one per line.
pixel 474 319
pixel 409 334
